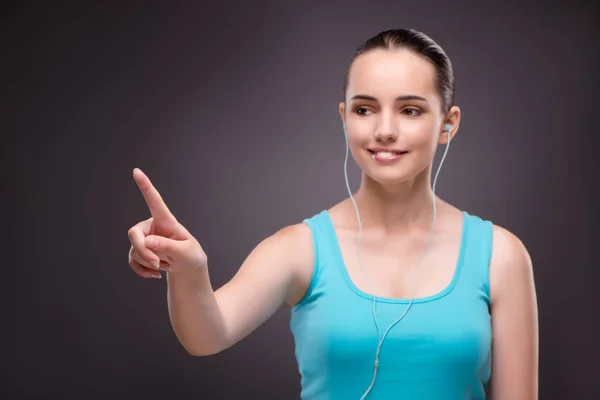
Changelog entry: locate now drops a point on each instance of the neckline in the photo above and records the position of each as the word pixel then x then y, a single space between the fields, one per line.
pixel 446 290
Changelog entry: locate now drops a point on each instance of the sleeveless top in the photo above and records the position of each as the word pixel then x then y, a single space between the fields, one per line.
pixel 441 349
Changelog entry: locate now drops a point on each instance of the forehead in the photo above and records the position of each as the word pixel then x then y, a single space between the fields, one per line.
pixel 386 74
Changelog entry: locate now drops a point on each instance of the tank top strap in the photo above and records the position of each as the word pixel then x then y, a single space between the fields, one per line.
pixel 322 254
pixel 477 255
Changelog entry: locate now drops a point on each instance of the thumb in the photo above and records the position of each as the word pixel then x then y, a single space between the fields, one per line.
pixel 163 245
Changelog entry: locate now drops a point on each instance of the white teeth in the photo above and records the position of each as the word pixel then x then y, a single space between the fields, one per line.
pixel 385 154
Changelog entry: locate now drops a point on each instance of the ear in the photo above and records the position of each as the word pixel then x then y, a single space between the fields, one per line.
pixel 342 109
pixel 452 118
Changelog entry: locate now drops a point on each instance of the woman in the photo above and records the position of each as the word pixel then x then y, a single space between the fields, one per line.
pixel 395 293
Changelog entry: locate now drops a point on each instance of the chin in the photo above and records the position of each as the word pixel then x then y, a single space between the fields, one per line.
pixel 389 177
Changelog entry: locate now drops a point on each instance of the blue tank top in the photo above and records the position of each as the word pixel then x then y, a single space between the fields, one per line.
pixel 441 349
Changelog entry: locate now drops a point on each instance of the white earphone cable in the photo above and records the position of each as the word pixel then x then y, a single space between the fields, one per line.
pixel 448 129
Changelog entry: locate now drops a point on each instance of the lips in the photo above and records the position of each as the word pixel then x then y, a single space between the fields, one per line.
pixel 386 155
pixel 387 150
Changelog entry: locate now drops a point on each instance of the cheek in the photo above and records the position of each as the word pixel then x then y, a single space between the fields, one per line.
pixel 358 151
pixel 419 136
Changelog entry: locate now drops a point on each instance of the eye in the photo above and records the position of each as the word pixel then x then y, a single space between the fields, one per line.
pixel 361 111
pixel 412 112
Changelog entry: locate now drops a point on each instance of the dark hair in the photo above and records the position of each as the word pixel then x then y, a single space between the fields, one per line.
pixel 421 44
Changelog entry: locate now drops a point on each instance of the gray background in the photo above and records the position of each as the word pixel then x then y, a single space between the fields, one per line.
pixel 231 109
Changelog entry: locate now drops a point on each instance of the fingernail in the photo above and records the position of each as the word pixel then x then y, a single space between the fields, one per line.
pixel 152 243
pixel 159 276
pixel 156 266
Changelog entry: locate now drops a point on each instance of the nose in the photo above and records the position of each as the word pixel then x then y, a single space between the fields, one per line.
pixel 385 130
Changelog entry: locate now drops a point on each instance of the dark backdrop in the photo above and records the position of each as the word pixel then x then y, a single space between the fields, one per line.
pixel 231 109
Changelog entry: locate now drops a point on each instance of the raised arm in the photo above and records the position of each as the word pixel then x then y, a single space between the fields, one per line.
pixel 206 321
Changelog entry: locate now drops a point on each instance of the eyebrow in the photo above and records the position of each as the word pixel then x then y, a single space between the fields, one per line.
pixel 399 98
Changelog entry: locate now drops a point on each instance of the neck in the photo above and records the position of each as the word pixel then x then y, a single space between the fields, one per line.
pixel 398 208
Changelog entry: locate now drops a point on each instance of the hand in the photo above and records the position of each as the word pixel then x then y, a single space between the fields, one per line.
pixel 160 242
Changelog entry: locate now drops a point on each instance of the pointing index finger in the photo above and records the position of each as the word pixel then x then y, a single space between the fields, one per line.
pixel 155 203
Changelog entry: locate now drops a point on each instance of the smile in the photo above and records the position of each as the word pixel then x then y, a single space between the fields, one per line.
pixel 387 156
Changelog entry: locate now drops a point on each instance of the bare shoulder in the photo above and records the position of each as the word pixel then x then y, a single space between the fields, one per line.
pixel 296 240
pixel 510 261
pixel 514 319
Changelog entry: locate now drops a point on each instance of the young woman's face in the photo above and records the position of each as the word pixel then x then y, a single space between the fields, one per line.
pixel 391 102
